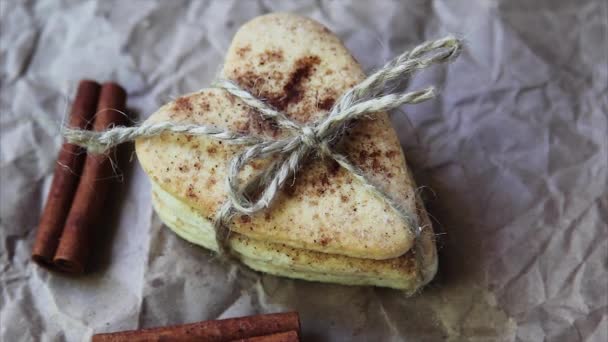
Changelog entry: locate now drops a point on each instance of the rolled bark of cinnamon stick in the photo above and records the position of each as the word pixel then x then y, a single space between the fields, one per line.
pixel 65 178
pixel 87 208
pixel 223 330
pixel 289 336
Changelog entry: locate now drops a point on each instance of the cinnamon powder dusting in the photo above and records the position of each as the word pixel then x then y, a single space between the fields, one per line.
pixel 244 50
pixel 190 192
pixel 333 167
pixel 292 91
pixel 205 106
pixel 391 154
pixel 326 103
pixel 271 56
pixel 183 104
pixel 372 160
pixel 324 241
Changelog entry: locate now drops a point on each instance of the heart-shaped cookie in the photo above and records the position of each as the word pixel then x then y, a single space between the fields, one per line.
pixel 325 225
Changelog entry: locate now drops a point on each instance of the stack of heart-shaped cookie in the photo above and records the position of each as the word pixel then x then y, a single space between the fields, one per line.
pixel 323 226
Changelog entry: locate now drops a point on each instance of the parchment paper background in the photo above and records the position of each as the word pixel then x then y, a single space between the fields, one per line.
pixel 515 149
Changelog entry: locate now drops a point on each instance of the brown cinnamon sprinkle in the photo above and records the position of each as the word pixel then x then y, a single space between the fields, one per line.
pixel 183 104
pixel 293 89
pixel 326 103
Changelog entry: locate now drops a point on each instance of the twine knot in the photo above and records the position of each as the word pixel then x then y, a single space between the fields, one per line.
pixel 309 137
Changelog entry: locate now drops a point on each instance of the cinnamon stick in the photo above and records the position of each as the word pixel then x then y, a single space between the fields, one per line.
pixel 87 207
pixel 213 331
pixel 65 178
pixel 289 336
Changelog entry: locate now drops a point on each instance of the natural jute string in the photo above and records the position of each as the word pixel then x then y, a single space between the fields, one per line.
pixel 379 92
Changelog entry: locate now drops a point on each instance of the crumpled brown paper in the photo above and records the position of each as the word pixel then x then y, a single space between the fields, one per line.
pixel 514 149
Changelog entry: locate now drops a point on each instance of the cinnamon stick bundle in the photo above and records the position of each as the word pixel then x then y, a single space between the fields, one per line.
pixel 65 178
pixel 223 330
pixel 87 206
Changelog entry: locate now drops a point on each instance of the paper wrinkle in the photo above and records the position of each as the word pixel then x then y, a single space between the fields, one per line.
pixel 514 148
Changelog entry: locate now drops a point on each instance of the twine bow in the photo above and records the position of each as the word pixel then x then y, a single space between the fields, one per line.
pixel 379 92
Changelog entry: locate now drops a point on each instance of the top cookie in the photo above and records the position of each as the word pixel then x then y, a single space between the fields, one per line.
pixel 300 68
